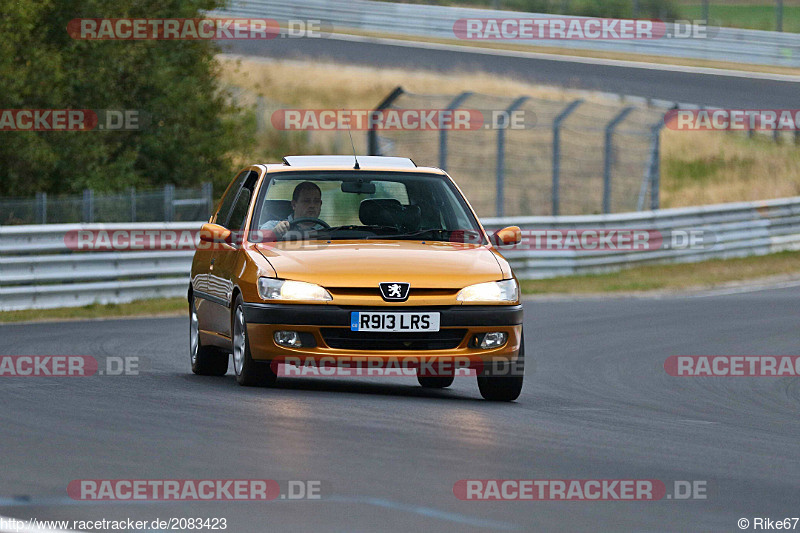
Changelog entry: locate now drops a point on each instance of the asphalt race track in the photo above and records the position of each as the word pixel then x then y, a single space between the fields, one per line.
pixel 597 405
pixel 699 88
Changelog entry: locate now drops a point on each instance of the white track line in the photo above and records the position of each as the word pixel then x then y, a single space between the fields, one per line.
pixel 708 71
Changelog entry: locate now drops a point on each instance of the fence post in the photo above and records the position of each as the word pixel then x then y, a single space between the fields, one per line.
pixel 169 206
pixel 372 134
pixel 41 208
pixel 457 101
pixel 779 15
pixel 133 204
pixel 208 194
pixel 609 154
pixel 88 205
pixel 655 187
pixel 501 153
pixel 652 173
pixel 555 194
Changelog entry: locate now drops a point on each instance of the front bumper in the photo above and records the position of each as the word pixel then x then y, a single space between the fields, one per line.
pixel 329 325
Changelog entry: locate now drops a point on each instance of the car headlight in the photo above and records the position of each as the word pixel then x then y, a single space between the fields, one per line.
pixel 491 292
pixel 279 289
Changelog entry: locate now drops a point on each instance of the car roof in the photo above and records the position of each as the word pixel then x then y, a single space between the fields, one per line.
pixel 366 162
pixel 347 162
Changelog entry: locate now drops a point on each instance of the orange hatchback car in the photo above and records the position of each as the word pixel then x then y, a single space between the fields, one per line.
pixel 338 262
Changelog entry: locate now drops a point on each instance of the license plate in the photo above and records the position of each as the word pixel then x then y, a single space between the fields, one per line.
pixel 392 322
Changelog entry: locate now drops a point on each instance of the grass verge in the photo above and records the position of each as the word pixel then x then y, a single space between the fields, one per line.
pixel 750 15
pixel 707 274
pixel 158 306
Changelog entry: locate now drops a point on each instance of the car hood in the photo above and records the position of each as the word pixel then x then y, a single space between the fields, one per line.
pixel 361 263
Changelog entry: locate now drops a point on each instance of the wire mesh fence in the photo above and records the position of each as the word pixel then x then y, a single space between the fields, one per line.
pixel 533 156
pixel 169 204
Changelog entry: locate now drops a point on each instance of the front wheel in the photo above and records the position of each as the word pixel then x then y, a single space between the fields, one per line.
pixel 248 372
pixel 502 382
pixel 205 360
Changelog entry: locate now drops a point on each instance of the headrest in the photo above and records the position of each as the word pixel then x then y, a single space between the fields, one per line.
pixel 389 212
pixel 275 210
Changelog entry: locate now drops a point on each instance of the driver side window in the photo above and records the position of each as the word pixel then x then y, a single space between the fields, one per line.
pixel 239 212
pixel 241 203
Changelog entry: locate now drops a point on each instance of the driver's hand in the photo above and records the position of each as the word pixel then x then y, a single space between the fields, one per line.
pixel 281 228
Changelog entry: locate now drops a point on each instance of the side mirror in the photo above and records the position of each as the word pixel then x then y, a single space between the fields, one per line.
pixel 214 233
pixel 509 235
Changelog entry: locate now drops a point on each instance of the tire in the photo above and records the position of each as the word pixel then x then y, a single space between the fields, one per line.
pixel 435 382
pixel 248 372
pixel 205 360
pixel 498 386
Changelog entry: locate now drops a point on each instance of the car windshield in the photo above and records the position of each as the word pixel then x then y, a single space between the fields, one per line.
pixel 365 205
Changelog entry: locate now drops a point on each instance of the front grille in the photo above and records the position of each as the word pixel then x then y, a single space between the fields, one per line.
pixel 345 339
pixel 374 292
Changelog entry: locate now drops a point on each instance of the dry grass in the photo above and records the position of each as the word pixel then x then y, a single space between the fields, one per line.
pixel 317 85
pixel 716 167
pixel 707 274
pixel 697 167
pixel 155 307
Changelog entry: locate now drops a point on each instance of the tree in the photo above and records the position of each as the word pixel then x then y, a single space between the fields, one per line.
pixel 191 127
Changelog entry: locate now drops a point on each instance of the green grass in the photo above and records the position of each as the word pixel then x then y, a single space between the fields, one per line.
pixel 701 171
pixel 159 306
pixel 752 14
pixel 755 17
pixel 706 274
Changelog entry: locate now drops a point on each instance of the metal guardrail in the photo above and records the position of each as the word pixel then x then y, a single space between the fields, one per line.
pixel 37 270
pixel 729 230
pixel 725 44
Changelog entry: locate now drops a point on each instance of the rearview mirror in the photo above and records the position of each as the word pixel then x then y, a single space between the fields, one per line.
pixel 358 187
pixel 214 233
pixel 509 235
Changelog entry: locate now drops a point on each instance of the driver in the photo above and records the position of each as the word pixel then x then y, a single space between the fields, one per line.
pixel 306 203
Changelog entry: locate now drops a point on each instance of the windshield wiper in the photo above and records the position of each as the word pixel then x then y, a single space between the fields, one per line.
pixel 443 234
pixel 354 227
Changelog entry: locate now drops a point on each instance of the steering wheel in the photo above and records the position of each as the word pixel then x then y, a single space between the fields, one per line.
pixel 294 223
